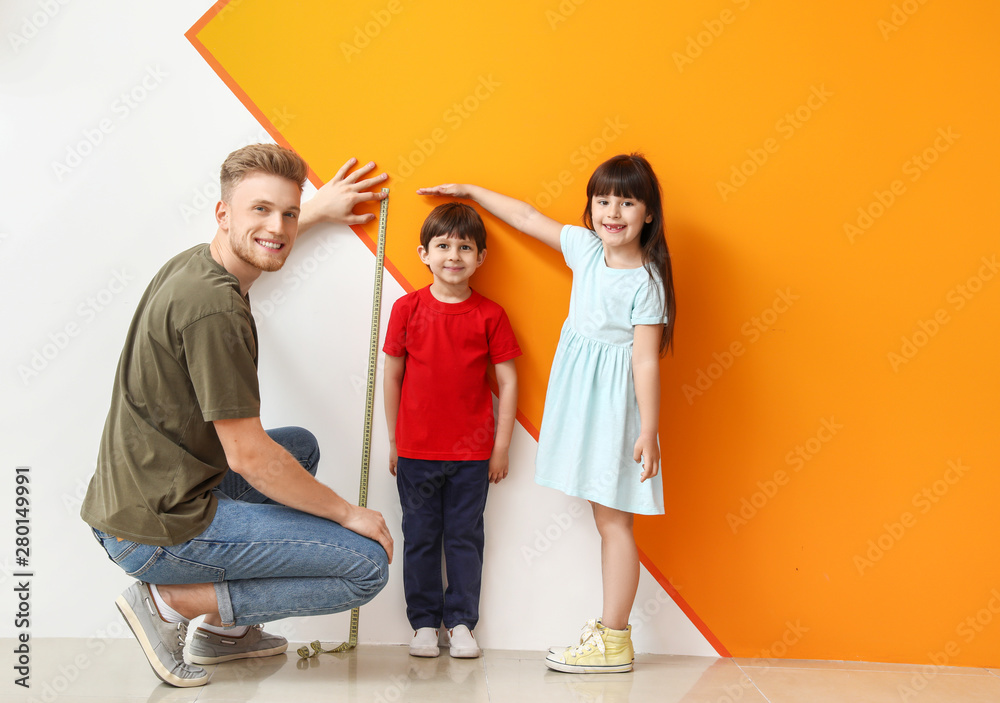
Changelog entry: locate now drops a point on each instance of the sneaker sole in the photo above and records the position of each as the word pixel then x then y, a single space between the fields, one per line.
pixel 464 653
pixel 587 669
pixel 132 620
pixel 425 651
pixel 200 659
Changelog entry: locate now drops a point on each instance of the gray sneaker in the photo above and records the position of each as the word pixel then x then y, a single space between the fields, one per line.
pixel 209 648
pixel 162 642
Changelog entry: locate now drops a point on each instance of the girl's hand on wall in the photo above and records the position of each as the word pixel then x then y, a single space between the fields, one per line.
pixel 452 190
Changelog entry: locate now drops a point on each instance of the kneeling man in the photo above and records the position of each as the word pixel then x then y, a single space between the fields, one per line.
pixel 211 513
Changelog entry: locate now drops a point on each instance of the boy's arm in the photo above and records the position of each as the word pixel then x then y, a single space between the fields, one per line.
pixel 516 213
pixel 392 382
pixel 336 199
pixel 507 392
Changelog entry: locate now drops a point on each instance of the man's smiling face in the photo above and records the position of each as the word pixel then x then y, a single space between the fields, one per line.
pixel 262 219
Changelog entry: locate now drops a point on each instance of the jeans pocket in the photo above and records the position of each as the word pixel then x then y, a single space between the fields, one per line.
pixel 119 550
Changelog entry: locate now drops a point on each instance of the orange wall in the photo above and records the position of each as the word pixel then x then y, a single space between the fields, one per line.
pixel 830 415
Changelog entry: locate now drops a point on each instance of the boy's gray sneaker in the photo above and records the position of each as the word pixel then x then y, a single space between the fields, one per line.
pixel 162 642
pixel 209 648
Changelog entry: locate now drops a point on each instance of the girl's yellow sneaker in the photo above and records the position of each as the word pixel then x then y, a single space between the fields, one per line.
pixel 601 651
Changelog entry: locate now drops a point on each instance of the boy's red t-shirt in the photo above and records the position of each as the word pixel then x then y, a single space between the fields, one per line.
pixel 445 406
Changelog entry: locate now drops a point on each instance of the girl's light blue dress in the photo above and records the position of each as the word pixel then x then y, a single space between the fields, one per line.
pixel 591 417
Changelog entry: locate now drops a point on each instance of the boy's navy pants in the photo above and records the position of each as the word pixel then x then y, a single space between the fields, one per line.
pixel 443 504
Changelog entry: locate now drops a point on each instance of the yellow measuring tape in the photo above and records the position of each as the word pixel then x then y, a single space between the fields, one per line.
pixel 366 449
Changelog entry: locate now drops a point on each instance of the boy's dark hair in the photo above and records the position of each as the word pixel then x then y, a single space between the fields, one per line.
pixel 457 219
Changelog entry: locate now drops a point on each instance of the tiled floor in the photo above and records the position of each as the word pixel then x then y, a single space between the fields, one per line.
pixel 114 671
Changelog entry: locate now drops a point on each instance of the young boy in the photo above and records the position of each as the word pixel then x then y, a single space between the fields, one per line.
pixel 443 447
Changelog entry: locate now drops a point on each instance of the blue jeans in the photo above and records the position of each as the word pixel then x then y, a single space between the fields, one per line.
pixel 443 504
pixel 266 561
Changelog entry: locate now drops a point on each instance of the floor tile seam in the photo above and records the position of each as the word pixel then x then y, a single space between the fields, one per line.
pixel 752 682
pixel 983 672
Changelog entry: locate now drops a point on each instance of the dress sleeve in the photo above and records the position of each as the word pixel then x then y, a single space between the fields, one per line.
pixel 220 353
pixel 647 306
pixel 570 239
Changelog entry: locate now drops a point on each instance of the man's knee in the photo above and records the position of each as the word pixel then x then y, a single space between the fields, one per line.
pixel 373 579
pixel 300 443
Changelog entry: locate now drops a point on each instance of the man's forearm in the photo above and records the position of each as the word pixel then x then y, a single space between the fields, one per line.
pixel 281 478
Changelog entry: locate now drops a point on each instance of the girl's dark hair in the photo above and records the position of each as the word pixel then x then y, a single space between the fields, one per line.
pixel 631 176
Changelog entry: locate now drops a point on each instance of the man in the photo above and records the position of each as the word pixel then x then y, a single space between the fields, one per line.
pixel 191 496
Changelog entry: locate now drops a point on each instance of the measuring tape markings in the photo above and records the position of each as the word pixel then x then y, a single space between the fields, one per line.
pixel 366 447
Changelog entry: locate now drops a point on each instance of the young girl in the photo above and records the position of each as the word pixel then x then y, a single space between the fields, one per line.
pixel 598 438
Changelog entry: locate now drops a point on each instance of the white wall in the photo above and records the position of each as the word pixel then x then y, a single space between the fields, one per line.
pixel 112 129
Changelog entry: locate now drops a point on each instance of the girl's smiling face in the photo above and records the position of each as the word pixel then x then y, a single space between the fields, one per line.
pixel 618 221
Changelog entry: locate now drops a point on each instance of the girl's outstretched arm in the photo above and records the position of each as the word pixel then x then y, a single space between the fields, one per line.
pixel 516 213
pixel 646 376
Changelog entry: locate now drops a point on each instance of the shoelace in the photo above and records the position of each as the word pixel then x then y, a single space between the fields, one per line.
pixel 591 636
pixel 182 631
pixel 182 627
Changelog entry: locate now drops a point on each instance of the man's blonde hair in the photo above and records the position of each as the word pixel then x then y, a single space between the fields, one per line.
pixel 265 158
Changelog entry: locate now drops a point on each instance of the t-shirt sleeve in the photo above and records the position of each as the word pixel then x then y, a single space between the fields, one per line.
pixel 395 332
pixel 220 353
pixel 503 344
pixel 647 306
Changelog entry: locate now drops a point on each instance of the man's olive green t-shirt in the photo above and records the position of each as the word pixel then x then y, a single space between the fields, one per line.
pixel 190 357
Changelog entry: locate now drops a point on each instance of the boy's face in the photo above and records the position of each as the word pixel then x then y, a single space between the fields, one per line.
pixel 450 259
